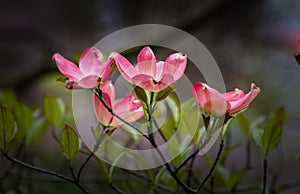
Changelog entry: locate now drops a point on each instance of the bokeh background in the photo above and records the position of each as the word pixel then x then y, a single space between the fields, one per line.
pixel 251 40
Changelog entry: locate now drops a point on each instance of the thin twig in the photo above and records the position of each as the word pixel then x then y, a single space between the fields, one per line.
pixel 117 116
pixel 83 165
pixel 44 171
pixel 213 167
pixel 190 172
pixel 186 160
pixel 265 176
pixel 114 187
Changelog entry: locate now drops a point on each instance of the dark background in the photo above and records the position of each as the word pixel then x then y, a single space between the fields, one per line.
pixel 251 40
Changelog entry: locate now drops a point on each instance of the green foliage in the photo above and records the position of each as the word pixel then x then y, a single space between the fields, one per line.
pixel 267 137
pixel 257 136
pixel 8 98
pixel 245 125
pixel 24 118
pixel 36 131
pixel 141 94
pixel 6 127
pixel 235 177
pixel 164 93
pixel 273 131
pixel 224 129
pixel 54 109
pixel 69 142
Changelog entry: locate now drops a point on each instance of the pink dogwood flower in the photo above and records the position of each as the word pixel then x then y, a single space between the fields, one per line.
pixel 90 73
pixel 228 103
pixel 149 74
pixel 128 108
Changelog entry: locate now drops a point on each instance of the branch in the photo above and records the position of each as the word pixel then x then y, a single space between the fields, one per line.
pixel 213 167
pixel 44 171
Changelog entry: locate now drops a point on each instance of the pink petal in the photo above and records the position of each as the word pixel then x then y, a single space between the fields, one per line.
pixel 244 102
pixel 147 62
pixel 234 95
pixel 102 114
pixel 90 81
pixel 124 66
pixel 105 69
pixel 127 104
pixel 108 89
pixel 129 109
pixel 175 65
pixel 66 67
pixel 90 61
pixel 147 82
pixel 210 99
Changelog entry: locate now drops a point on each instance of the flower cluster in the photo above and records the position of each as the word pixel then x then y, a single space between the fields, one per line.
pixel 150 75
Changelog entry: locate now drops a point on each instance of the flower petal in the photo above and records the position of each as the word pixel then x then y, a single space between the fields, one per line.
pixel 147 82
pixel 102 114
pixel 234 95
pixel 105 69
pixel 90 61
pixel 175 65
pixel 147 62
pixel 67 68
pixel 124 66
pixel 108 89
pixel 127 104
pixel 210 99
pixel 244 102
pixel 129 109
pixel 90 81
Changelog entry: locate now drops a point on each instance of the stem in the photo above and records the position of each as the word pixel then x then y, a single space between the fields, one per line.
pixel 83 165
pixel 153 143
pixel 172 173
pixel 44 171
pixel 265 176
pixel 114 187
pixel 117 116
pixel 149 182
pixel 213 167
pixel 190 174
pixel 186 160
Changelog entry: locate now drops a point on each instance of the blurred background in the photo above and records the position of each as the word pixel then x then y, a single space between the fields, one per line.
pixel 251 40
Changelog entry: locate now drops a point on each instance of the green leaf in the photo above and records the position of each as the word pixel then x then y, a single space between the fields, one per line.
pixel 281 188
pixel 224 173
pixel 24 118
pixel 141 94
pixel 62 79
pixel 36 131
pixel 159 175
pixel 54 110
pixel 257 136
pixel 8 98
pixel 271 137
pixel 6 127
pixel 168 127
pixel 245 125
pixel 164 93
pixel 103 165
pixel 69 142
pixel 175 106
pixel 235 177
pixel 224 129
pixel 226 152
pixel 273 131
